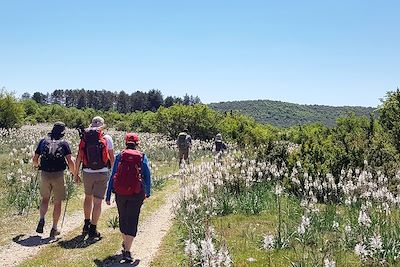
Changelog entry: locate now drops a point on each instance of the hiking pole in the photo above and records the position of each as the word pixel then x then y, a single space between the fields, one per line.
pixel 66 204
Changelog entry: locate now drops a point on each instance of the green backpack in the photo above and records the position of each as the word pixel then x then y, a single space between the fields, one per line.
pixel 182 141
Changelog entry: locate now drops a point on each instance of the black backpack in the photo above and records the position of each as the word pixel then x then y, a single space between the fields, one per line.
pixel 52 158
pixel 183 142
pixel 219 146
pixel 94 149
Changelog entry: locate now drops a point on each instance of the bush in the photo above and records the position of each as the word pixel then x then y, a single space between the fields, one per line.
pixel 11 111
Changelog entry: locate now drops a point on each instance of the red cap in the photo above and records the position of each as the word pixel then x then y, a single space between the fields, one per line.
pixel 131 138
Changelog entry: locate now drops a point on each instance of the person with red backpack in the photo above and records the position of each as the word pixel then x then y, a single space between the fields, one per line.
pixel 96 154
pixel 131 182
pixel 52 156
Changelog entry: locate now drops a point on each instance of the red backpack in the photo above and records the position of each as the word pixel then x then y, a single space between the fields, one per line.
pixel 128 178
pixel 93 147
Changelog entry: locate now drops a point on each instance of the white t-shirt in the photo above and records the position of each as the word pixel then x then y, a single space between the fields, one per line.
pixel 110 146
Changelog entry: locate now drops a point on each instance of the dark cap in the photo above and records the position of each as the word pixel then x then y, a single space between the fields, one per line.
pixel 58 129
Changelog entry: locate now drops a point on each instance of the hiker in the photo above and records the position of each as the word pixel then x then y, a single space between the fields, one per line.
pixel 130 181
pixel 96 154
pixel 184 143
pixel 52 156
pixel 220 146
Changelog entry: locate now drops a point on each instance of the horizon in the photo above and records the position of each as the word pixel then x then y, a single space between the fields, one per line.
pixel 341 53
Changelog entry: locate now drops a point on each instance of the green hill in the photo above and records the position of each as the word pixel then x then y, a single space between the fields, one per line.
pixel 288 114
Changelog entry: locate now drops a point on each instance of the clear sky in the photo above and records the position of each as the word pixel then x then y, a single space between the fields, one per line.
pixel 309 52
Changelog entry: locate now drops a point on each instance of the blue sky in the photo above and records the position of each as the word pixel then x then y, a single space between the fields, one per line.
pixel 308 52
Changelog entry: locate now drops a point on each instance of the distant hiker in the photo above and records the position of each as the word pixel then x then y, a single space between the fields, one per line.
pixel 130 181
pixel 220 146
pixel 184 143
pixel 52 156
pixel 96 153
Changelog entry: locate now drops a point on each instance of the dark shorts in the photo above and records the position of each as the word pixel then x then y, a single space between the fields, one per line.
pixel 129 210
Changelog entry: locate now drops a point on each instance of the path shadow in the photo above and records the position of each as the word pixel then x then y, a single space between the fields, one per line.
pixel 115 261
pixel 33 241
pixel 78 242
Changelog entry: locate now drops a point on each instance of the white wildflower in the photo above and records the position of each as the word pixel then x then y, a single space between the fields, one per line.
pixel 364 219
pixel 329 263
pixel 360 250
pixel 269 242
pixel 376 242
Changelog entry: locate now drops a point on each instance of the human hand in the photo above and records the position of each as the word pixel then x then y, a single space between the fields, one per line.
pixel 77 178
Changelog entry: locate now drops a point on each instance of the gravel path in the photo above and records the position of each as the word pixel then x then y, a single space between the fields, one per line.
pixel 150 234
pixel 28 245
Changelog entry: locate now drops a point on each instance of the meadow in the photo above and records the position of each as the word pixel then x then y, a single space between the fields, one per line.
pixel 307 195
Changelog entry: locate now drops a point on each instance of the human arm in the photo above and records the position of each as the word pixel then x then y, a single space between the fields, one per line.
pixel 77 167
pixel 71 163
pixel 110 180
pixel 35 159
pixel 146 175
pixel 112 157
pixel 110 149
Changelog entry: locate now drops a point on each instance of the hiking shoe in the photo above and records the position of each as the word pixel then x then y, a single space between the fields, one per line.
pixel 126 256
pixel 93 233
pixel 85 229
pixel 54 232
pixel 39 228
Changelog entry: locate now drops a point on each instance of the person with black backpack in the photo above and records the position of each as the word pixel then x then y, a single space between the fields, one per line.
pixel 220 146
pixel 184 143
pixel 131 182
pixel 52 156
pixel 96 154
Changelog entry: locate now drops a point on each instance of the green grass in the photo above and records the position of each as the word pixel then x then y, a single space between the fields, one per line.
pixel 66 254
pixel 244 236
pixel 171 249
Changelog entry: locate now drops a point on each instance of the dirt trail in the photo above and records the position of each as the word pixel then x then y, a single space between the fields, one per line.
pixel 150 234
pixel 28 245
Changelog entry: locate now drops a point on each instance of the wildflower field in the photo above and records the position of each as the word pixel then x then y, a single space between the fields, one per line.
pixel 301 196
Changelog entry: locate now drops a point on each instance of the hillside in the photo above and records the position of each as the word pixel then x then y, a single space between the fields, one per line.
pixel 288 114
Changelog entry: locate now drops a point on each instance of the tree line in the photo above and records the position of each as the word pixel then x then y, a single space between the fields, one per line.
pixel 104 100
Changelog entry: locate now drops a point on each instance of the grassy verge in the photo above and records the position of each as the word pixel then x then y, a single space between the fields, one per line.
pixel 171 249
pixel 72 251
pixel 244 236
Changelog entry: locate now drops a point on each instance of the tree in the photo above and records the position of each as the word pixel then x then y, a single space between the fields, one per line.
pixel 186 100
pixel 25 96
pixel 11 111
pixel 139 101
pixel 123 102
pixel 389 116
pixel 39 97
pixel 155 99
pixel 81 99
pixel 168 102
pixel 57 97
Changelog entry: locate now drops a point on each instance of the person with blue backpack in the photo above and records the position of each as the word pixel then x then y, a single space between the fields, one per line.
pixel 52 156
pixel 130 181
